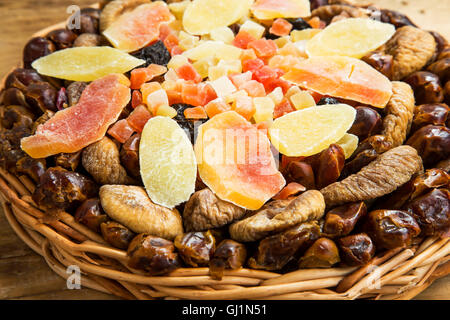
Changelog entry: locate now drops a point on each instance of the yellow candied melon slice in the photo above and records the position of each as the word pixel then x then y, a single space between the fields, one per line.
pixel 216 49
pixel 353 37
pixel 271 9
pixel 85 63
pixel 167 162
pixel 203 16
pixel 235 161
pixel 308 131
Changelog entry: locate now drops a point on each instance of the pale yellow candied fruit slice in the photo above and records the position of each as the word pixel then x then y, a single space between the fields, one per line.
pixel 349 143
pixel 309 131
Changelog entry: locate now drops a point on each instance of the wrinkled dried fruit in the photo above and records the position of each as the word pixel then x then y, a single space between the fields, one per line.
pixel 323 253
pixel 151 254
pixel 276 251
pixel 117 234
pixel 157 53
pixel 356 249
pixel 434 113
pixel 196 248
pixel 427 87
pixel 90 214
pixel 391 229
pixel 229 254
pixel 432 143
pixel 340 221
pixel 34 168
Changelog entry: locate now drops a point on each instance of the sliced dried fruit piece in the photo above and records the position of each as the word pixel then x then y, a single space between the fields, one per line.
pixel 74 128
pixel 235 161
pixel 136 29
pixel 85 63
pixel 114 9
pixel 271 9
pixel 342 77
pixel 203 16
pixel 352 37
pixel 213 48
pixel 307 132
pixel 167 161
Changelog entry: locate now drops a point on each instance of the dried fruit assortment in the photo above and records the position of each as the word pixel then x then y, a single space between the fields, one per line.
pixel 269 134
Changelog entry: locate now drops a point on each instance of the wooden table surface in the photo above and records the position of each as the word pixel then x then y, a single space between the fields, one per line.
pixel 24 274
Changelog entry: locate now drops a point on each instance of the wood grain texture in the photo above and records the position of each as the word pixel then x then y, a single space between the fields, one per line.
pixel 24 274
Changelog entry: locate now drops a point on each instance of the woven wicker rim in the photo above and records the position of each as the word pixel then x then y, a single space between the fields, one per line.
pixel 401 273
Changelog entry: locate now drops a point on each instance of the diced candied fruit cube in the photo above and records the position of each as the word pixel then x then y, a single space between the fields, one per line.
pixel 280 27
pixel 264 74
pixel 187 41
pixel 252 65
pixel 248 54
pixel 176 50
pixel 177 61
pixel 202 66
pixel 264 108
pixel 223 34
pixel 263 48
pixel 148 88
pixel 190 94
pixel 224 68
pixel 223 86
pixel 292 90
pixel 275 83
pixel 215 72
pixel 284 63
pixel 242 39
pixel 139 117
pixel 164 31
pixel 282 41
pixel 316 23
pixel 188 72
pixel 276 95
pixel 305 34
pixel 141 75
pixel 264 126
pixel 216 106
pixel 156 99
pixel 171 41
pixel 291 49
pixel 207 93
pixel 302 100
pixel 254 29
pixel 166 111
pixel 232 97
pixel 253 88
pixel 244 106
pixel 136 98
pixel 240 78
pixel 121 131
pixel 195 113
pixel 282 108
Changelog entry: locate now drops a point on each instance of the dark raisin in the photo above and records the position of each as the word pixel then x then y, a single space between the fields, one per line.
pixel 189 126
pixel 157 53
pixel 299 24
pixel 270 36
pixel 327 100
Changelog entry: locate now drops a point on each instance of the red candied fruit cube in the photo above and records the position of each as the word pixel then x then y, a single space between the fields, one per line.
pixel 176 50
pixel 188 72
pixel 140 76
pixel 253 88
pixel 280 27
pixel 252 65
pixel 121 131
pixel 136 98
pixel 190 94
pixel 139 117
pixel 174 97
pixel 263 48
pixel 242 39
pixel 239 79
pixel 282 108
pixel 195 113
pixel 265 74
pixel 207 93
pixel 171 42
pixel 274 83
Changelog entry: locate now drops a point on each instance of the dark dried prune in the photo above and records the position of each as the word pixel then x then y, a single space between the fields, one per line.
pixel 396 18
pixel 300 172
pixel 17 116
pixel 340 221
pixel 425 114
pixel 330 164
pixel 229 254
pixel 36 48
pixel 90 214
pixel 69 161
pixel 157 53
pixel 196 248
pixel 367 123
pixel 391 229
pixel 441 68
pixel 34 168
pixel 299 24
pixel 20 78
pixel 381 62
pixel 327 100
pixel 129 155
pixel 152 254
pixel 276 251
pixel 432 143
pixel 427 87
pixel 432 211
pixel 14 96
pixel 41 96
pixel 356 249
pixel 62 189
pixel 117 234
pixel 62 38
pixel 323 253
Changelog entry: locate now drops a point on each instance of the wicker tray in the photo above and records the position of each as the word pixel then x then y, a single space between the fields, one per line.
pixel 396 274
